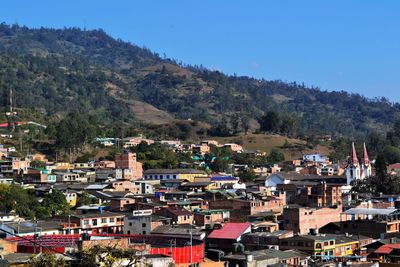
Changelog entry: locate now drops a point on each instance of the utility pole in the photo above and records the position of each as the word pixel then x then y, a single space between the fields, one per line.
pixel 69 224
pixel 191 244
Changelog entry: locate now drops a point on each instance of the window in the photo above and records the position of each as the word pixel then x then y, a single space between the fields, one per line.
pixel 94 222
pixel 129 232
pixel 112 220
pixel 143 225
pixel 326 243
pixel 130 224
pixel 331 242
pixel 86 222
pixel 318 245
pixel 103 220
pixel 144 232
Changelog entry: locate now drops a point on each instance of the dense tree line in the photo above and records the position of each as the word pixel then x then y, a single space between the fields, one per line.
pixel 14 198
pixel 57 71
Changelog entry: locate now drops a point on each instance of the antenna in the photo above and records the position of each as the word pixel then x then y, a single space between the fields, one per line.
pixel 11 113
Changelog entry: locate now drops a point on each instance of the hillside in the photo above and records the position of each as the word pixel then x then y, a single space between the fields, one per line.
pixel 56 71
pixel 265 143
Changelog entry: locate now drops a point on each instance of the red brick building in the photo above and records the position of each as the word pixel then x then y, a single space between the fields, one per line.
pixel 131 168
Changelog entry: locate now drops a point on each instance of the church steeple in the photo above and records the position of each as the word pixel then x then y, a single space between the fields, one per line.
pixel 354 159
pixel 366 159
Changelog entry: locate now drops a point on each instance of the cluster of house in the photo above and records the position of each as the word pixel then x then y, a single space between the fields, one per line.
pixel 202 148
pixel 190 217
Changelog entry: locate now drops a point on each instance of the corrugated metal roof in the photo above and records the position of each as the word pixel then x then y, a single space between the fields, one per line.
pixel 230 231
pixel 371 211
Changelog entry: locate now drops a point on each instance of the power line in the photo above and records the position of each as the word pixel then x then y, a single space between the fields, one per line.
pixel 38 244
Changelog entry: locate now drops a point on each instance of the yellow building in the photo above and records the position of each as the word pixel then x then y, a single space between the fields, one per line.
pixel 345 246
pixel 63 166
pixel 71 198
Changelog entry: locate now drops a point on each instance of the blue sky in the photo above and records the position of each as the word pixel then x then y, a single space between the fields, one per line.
pixel 350 45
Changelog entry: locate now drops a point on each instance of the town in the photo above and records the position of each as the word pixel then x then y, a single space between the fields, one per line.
pixel 204 213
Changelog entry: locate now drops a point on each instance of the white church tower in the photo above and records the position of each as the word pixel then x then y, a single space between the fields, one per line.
pixel 356 170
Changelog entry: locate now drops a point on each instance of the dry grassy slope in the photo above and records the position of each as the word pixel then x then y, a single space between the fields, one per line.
pixel 141 111
pixel 266 143
pixel 148 113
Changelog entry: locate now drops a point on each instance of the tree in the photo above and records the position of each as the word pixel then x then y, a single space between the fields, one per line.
pixel 312 141
pixel 86 199
pixel 381 182
pixel 271 122
pixel 381 166
pixel 221 129
pixel 391 154
pixel 289 125
pixel 276 156
pixel 235 123
pixel 219 165
pixel 37 164
pixel 56 203
pixel 47 260
pixel 74 131
pixel 245 121
pixel 97 256
pixel 246 174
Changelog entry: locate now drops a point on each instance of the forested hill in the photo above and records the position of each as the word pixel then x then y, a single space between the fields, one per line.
pixel 55 71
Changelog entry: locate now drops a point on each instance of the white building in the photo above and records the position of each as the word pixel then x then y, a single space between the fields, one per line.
pixel 356 170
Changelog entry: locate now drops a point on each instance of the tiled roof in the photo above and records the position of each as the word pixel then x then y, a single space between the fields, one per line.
pixel 387 249
pixel 230 231
pixel 394 166
pixel 179 212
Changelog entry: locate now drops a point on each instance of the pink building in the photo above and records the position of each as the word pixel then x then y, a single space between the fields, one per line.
pixel 104 164
pixel 303 219
pixel 131 168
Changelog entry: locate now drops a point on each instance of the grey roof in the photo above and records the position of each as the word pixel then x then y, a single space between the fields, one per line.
pixel 16 258
pixel 371 211
pixel 178 230
pixel 173 181
pixel 96 186
pixel 173 171
pixel 264 254
pixel 31 226
pixel 274 233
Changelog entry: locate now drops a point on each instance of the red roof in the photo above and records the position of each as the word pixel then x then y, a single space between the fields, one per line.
pixel 230 231
pixel 387 249
pixel 394 166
